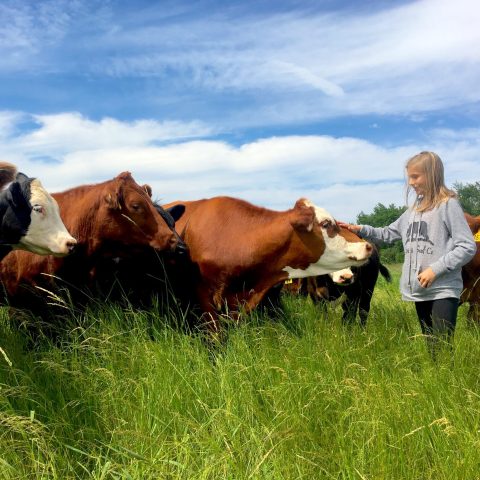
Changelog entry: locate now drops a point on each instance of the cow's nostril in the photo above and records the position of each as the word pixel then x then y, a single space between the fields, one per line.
pixel 181 248
pixel 369 247
pixel 71 244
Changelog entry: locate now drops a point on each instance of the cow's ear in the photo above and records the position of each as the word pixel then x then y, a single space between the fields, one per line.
pixel 303 217
pixel 148 189
pixel 112 201
pixel 176 211
pixel 21 177
pixel 301 202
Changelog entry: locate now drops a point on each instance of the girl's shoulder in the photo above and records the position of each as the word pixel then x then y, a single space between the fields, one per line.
pixel 449 203
pixel 451 212
pixel 453 202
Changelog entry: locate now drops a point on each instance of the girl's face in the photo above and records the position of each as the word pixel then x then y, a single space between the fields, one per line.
pixel 417 179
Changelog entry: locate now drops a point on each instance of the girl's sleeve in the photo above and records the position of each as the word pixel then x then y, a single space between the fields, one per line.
pixel 464 246
pixel 384 234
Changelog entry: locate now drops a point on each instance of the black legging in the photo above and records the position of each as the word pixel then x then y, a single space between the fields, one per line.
pixel 438 317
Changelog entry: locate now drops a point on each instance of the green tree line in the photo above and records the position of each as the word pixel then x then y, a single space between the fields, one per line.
pixel 468 195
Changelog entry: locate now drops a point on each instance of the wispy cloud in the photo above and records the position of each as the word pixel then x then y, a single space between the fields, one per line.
pixel 30 29
pixel 420 56
pixel 298 64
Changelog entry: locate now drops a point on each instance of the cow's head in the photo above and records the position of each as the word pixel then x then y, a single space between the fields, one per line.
pixel 330 247
pixel 131 217
pixel 31 219
pixel 171 215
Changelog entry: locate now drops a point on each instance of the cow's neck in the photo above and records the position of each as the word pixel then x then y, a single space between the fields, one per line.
pixel 287 249
pixel 300 257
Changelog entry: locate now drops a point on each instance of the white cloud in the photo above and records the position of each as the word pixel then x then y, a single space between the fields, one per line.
pixel 59 134
pixel 344 175
pixel 9 122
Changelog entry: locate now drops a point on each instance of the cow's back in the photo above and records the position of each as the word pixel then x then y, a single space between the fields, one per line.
pixel 227 231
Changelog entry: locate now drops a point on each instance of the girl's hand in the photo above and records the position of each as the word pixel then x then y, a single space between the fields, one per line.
pixel 349 226
pixel 426 277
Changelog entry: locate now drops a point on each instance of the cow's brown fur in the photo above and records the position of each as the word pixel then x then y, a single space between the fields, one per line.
pixel 473 222
pixel 112 218
pixel 471 275
pixel 241 250
pixel 7 173
pixel 471 286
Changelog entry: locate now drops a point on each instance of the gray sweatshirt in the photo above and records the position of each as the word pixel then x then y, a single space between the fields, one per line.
pixel 439 239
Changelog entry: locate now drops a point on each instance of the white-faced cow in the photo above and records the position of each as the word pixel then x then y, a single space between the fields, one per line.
pixel 30 217
pixel 238 251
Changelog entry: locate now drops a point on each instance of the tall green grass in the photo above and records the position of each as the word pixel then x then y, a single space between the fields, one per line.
pixel 130 395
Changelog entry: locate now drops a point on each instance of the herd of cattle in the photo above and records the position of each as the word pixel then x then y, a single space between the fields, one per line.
pixel 110 241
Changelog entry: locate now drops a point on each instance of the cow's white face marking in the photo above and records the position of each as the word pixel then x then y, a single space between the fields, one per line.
pixel 46 234
pixel 341 276
pixel 338 252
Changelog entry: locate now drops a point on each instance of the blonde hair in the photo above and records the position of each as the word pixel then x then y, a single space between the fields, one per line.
pixel 435 190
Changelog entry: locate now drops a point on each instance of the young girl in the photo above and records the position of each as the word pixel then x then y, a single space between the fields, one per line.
pixel 437 242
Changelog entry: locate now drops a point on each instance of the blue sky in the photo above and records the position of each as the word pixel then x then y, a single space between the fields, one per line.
pixel 267 101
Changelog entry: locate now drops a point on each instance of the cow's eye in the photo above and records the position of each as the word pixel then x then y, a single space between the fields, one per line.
pixel 38 208
pixel 326 224
pixel 135 207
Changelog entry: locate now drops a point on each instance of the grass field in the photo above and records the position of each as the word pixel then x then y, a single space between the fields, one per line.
pixel 129 395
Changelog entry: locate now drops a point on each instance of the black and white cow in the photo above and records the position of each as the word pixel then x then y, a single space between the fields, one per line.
pixel 29 216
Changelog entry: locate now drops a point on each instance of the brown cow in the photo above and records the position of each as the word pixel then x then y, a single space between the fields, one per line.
pixel 240 250
pixel 471 274
pixel 112 219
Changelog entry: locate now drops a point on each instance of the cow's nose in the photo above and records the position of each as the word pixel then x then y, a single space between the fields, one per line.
pixel 368 247
pixel 173 242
